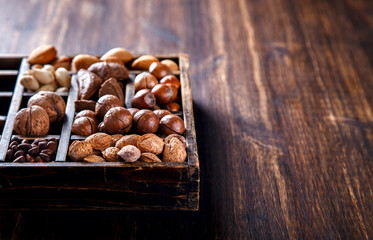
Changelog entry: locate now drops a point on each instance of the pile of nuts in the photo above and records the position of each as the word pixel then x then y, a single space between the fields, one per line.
pixel 101 147
pixel 48 73
pixel 40 150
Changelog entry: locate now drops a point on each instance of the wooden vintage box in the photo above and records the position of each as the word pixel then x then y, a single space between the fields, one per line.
pixel 90 186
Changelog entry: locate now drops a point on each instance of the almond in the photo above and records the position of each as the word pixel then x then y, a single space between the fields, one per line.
pixel 111 154
pixel 174 150
pixel 129 153
pixel 79 150
pixel 42 55
pixel 150 143
pixel 83 61
pixel 144 62
pixel 115 138
pixel 63 61
pixel 170 64
pixel 149 157
pixel 131 139
pixel 121 53
pixel 99 141
pixel 93 158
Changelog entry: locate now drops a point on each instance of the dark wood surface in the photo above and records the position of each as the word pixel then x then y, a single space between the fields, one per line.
pixel 283 109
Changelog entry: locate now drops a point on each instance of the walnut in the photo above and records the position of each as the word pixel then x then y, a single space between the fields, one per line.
pixel 31 121
pixel 79 150
pixel 51 102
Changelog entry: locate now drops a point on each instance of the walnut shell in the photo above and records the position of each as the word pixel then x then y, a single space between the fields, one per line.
pixel 31 121
pixel 108 70
pixel 51 102
pixel 117 120
pixel 174 150
pixel 79 150
pixel 99 141
pixel 150 143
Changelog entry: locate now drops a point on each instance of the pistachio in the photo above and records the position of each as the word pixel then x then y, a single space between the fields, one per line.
pixel 43 76
pixel 63 77
pixel 29 82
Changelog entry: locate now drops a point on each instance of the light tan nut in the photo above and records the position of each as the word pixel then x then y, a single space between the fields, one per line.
pixel 83 61
pixel 49 68
pixel 181 138
pixel 121 53
pixel 63 77
pixel 129 153
pixel 30 83
pixel 42 55
pixel 99 141
pixel 111 154
pixel 62 89
pixel 174 150
pixel 79 150
pixel 144 62
pixel 170 64
pixel 150 143
pixel 93 158
pixel 47 88
pixel 131 139
pixel 43 76
pixel 149 157
pixel 115 138
pixel 62 61
pixel 36 66
pixel 112 59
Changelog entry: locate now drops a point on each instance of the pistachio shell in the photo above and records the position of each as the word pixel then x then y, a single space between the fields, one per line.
pixel 29 82
pixel 43 76
pixel 63 77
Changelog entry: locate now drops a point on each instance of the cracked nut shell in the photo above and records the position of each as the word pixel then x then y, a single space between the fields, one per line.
pixel 31 121
pixel 146 121
pixel 51 102
pixel 84 126
pixel 170 124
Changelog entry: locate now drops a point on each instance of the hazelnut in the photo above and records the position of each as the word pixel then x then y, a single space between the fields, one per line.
pixel 143 99
pixel 111 154
pixel 174 89
pixel 118 120
pixel 51 102
pixel 171 79
pixel 163 93
pixel 106 102
pixel 133 111
pixel 144 62
pixel 84 126
pixel 131 139
pixel 173 107
pixel 31 121
pixel 146 121
pixel 150 143
pixel 87 113
pixel 170 64
pixel 145 80
pixel 170 124
pixel 79 150
pixel 99 141
pixel 129 153
pixel 159 70
pixel 174 150
pixel 101 127
pixel 161 113
pixel 149 157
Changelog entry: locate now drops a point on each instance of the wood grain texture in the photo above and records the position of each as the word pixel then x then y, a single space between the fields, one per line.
pixel 282 106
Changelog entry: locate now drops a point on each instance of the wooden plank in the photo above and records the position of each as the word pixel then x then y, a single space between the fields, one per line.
pixel 130 91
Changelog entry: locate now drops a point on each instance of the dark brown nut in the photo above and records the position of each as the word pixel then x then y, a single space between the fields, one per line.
pixel 29 158
pixel 9 155
pixel 20 159
pixel 38 159
pixel 62 61
pixel 14 138
pixel 174 89
pixel 13 143
pixel 51 102
pixel 163 93
pixel 19 153
pixel 31 121
pixel 88 84
pixel 37 140
pixel 170 124
pixel 159 70
pixel 87 113
pixel 160 113
pixel 171 79
pixel 145 80
pixel 131 139
pixel 114 139
pixel 34 151
pixel 43 145
pixel 170 64
pixel 93 158
pixel 84 104
pixel 118 120
pixel 79 150
pixel 52 145
pixel 42 55
pixel 129 153
pixel 101 127
pixel 108 70
pixel 146 121
pixel 173 107
pixel 106 102
pixel 174 150
pixel 99 141
pixel 111 154
pixel 24 146
pixel 156 107
pixel 149 157
pixel 133 111
pixel 45 157
pixel 84 126
pixel 144 62
pixel 47 151
pixel 143 99
pixel 111 87
pixel 25 141
pixel 150 143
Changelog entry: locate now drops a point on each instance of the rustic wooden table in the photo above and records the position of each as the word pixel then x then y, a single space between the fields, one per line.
pixel 283 109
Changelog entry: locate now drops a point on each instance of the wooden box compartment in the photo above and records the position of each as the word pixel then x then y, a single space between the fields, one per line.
pixel 87 186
